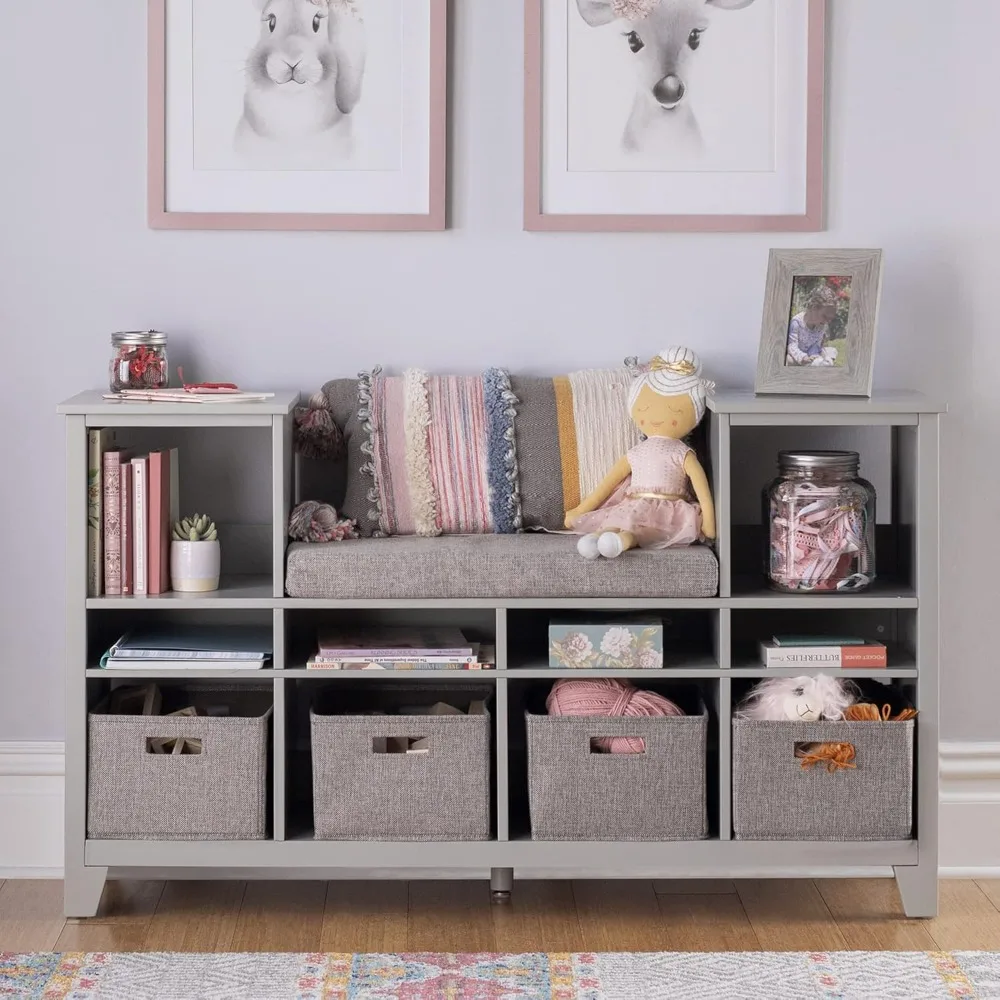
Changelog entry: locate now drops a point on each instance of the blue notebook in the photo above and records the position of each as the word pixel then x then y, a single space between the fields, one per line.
pixel 195 642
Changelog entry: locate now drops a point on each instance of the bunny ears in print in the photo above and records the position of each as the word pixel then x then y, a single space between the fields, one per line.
pixel 639 10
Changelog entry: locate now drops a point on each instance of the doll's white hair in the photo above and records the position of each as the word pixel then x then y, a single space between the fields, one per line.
pixel 766 702
pixel 675 371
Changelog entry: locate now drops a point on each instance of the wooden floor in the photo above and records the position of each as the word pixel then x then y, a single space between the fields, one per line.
pixel 798 915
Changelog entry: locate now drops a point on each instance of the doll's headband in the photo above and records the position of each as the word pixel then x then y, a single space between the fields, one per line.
pixel 657 364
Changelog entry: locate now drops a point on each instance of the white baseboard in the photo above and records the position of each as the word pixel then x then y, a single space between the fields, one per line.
pixel 31 804
pixel 970 810
pixel 31 807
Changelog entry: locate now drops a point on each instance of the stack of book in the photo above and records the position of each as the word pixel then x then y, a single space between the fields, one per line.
pixel 131 503
pixel 191 647
pixel 823 651
pixel 400 649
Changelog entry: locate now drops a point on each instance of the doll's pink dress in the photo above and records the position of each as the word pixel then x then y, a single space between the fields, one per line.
pixel 651 503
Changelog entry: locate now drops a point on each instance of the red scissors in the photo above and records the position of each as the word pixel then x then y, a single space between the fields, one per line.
pixel 206 387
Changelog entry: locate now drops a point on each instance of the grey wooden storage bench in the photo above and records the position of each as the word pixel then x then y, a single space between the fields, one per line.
pixel 504 589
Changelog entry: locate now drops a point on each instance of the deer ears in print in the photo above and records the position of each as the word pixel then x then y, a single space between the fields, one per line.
pixel 598 12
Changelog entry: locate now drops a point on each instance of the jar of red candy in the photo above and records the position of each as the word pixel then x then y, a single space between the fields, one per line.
pixel 821 522
pixel 138 360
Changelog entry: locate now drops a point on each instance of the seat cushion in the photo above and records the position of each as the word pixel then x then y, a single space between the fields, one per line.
pixel 492 566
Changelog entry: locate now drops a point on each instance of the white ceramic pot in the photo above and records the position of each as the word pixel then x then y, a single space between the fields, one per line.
pixel 194 566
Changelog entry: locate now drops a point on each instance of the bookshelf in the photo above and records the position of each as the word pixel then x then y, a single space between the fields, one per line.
pixel 902 607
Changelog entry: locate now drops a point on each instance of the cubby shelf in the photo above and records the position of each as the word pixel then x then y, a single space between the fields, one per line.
pixel 889 594
pixel 688 858
pixel 513 674
pixel 180 674
pixel 247 592
pixel 712 649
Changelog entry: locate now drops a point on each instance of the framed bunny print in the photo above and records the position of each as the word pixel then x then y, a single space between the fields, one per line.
pixel 297 114
pixel 674 115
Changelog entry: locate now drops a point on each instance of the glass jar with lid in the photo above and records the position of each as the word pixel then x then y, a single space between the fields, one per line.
pixel 138 360
pixel 820 517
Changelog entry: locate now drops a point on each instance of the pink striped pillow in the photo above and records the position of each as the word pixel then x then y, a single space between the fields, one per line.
pixel 441 453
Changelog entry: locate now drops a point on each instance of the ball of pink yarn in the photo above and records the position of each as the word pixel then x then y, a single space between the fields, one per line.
pixel 608 697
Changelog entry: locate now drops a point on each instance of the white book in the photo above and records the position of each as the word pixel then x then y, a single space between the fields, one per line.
pixel 872 655
pixel 180 396
pixel 182 666
pixel 140 527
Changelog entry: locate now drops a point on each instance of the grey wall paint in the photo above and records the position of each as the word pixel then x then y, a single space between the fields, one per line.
pixel 913 140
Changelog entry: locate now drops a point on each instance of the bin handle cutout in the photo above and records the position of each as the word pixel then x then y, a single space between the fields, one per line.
pixel 174 746
pixel 834 756
pixel 411 746
pixel 634 745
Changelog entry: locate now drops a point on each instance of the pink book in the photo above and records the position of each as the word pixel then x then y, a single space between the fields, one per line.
pixel 159 522
pixel 112 523
pixel 140 526
pixel 127 503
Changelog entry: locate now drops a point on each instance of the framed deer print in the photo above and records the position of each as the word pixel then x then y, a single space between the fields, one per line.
pixel 674 115
pixel 297 114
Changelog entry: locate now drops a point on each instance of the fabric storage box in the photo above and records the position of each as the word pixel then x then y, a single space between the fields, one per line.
pixel 361 792
pixel 134 793
pixel 775 798
pixel 576 793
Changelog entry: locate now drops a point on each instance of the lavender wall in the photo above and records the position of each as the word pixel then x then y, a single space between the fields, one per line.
pixel 913 141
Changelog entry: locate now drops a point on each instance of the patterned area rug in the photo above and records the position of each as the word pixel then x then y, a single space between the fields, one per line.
pixel 862 975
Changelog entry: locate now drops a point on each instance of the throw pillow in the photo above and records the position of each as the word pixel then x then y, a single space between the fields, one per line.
pixel 570 430
pixel 431 455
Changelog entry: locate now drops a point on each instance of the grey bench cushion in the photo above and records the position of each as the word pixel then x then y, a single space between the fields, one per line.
pixel 528 565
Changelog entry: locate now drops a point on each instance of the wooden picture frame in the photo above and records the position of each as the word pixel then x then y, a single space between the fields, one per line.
pixel 820 320
pixel 431 213
pixel 687 217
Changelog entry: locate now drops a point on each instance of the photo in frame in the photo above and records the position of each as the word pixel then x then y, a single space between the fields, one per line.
pixel 820 320
pixel 674 115
pixel 297 114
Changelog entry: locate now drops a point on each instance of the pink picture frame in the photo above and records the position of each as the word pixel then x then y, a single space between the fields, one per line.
pixel 159 217
pixel 537 220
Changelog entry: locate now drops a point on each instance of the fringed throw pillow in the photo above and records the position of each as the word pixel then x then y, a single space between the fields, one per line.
pixel 437 455
pixel 570 431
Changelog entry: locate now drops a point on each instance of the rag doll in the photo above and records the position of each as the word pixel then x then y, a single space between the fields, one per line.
pixel 644 499
pixel 799 699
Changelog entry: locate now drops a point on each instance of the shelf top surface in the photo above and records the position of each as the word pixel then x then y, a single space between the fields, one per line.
pixel 881 401
pixel 93 403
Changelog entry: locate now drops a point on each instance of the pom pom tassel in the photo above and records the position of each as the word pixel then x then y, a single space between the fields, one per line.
pixel 316 434
pixel 319 522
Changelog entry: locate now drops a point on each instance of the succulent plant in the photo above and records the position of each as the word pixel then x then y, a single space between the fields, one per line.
pixel 198 528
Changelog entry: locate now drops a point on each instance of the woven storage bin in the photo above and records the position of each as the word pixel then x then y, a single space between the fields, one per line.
pixel 576 794
pixel 774 798
pixel 219 794
pixel 359 794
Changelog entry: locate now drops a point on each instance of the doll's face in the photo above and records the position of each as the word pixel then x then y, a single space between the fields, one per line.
pixel 664 416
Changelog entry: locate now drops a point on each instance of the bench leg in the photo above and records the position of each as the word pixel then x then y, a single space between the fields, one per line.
pixel 82 890
pixel 501 884
pixel 918 889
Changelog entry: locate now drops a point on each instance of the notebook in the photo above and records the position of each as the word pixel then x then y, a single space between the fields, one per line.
pixel 195 642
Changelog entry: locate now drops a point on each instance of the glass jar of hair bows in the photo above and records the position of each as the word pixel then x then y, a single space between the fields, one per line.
pixel 138 360
pixel 821 523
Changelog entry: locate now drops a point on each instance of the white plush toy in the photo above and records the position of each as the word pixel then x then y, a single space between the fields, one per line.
pixel 798 699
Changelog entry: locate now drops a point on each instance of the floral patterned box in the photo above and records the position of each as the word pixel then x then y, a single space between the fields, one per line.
pixel 631 644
